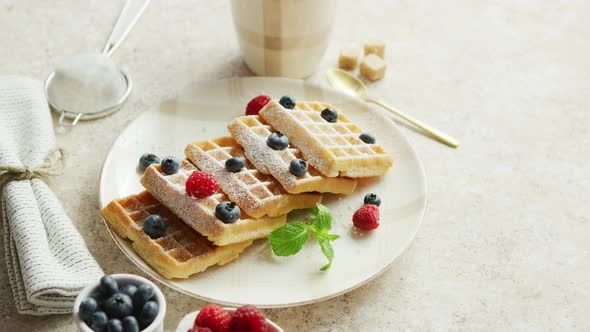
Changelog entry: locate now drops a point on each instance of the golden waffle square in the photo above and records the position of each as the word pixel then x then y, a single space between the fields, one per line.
pixel 252 132
pixel 332 148
pixel 181 252
pixel 256 193
pixel 200 213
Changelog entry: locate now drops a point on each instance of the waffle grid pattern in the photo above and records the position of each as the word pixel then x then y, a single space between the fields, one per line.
pixel 181 252
pixel 263 130
pixel 260 185
pixel 252 133
pixel 200 213
pixel 341 138
pixel 256 193
pixel 180 242
pixel 333 148
pixel 178 182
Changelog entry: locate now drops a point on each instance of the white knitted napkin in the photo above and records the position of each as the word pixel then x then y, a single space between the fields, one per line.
pixel 47 260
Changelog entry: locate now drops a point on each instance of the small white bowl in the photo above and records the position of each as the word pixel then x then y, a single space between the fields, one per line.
pixel 188 321
pixel 122 280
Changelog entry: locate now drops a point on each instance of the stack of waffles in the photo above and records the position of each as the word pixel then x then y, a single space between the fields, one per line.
pixel 265 190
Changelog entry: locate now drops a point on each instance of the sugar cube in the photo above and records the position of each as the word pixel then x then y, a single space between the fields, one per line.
pixel 348 58
pixel 373 67
pixel 375 47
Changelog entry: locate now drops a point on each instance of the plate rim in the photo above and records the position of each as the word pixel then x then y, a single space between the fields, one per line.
pixel 155 276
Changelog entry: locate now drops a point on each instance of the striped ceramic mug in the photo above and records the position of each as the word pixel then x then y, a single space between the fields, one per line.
pixel 283 37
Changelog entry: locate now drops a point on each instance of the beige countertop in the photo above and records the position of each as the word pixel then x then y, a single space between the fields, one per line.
pixel 505 240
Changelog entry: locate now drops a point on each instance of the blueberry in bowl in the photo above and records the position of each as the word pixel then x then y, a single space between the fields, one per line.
pixel 120 302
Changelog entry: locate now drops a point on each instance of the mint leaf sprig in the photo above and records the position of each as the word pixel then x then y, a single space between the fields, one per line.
pixel 290 238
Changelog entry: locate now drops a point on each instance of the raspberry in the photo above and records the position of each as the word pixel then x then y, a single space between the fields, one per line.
pixel 213 317
pixel 256 104
pixel 366 218
pixel 248 319
pixel 199 329
pixel 201 184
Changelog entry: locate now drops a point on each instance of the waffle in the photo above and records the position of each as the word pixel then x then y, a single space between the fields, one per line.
pixel 251 132
pixel 256 193
pixel 200 213
pixel 181 252
pixel 332 148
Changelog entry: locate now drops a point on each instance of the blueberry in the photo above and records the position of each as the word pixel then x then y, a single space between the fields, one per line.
pixel 298 167
pixel 367 138
pixel 154 226
pixel 148 314
pixel 118 305
pixel 144 293
pixel 87 308
pixel 98 321
pixel 227 212
pixel 287 102
pixel 114 325
pixel 372 199
pixel 147 159
pixel 234 164
pixel 108 286
pixel 277 141
pixel 329 115
pixel 129 290
pixel 130 324
pixel 99 297
pixel 170 165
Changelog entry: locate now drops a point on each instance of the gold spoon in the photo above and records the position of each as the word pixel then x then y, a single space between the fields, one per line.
pixel 342 80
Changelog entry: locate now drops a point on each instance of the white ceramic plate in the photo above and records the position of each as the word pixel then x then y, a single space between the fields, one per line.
pixel 257 277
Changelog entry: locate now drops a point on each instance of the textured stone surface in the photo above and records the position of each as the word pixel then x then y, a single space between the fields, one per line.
pixel 504 244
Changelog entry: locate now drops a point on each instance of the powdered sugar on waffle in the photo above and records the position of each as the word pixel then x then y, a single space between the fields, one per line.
pixel 332 148
pixel 169 188
pixel 200 214
pixel 251 132
pixel 256 193
pixel 181 252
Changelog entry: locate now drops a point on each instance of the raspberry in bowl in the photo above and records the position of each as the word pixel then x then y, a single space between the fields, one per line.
pixel 124 302
pixel 214 318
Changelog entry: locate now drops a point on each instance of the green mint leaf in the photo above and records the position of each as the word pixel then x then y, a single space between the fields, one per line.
pixel 322 222
pixel 288 239
pixel 331 237
pixel 327 250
